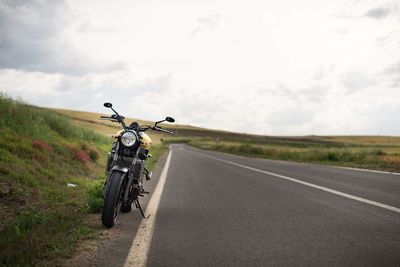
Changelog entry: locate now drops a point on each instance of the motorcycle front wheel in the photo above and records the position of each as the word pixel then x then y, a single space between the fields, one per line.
pixel 112 199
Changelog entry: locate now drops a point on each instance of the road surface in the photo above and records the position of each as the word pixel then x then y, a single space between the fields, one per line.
pixel 224 210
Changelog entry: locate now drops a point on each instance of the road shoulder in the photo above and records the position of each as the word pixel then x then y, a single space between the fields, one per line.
pixel 111 246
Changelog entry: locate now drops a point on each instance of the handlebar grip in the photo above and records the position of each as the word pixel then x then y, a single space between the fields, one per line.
pixel 108 118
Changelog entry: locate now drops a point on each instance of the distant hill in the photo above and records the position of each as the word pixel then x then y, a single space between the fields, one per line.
pixel 371 152
pixel 91 120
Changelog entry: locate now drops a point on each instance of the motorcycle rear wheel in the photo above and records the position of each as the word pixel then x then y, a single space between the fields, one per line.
pixel 112 199
pixel 127 207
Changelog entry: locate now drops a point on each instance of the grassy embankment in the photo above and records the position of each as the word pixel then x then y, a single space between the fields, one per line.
pixel 41 151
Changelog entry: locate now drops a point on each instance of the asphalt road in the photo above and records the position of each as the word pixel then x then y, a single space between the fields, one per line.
pixel 215 213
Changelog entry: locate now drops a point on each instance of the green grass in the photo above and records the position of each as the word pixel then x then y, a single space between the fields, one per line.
pixel 373 155
pixel 40 152
pixel 156 152
pixel 35 122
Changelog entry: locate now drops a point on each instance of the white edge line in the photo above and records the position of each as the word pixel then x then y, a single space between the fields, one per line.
pixel 288 162
pixel 360 199
pixel 366 170
pixel 138 252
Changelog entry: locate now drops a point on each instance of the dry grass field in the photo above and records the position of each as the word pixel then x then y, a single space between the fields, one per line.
pixel 91 120
pixel 372 152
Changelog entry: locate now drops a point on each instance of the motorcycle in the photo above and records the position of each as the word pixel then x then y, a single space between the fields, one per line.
pixel 125 168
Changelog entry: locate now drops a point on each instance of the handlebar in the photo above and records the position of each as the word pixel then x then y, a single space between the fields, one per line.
pixel 163 130
pixel 144 128
pixel 108 118
pixel 120 119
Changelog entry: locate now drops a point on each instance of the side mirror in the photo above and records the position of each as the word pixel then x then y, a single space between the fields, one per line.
pixel 169 119
pixel 108 105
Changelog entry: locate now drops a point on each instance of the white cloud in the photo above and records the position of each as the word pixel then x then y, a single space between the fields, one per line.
pixel 207 23
pixel 378 13
pixel 355 81
pixel 286 67
pixel 33 39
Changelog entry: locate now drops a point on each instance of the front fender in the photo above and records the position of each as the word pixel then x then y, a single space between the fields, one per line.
pixel 120 169
pixel 115 169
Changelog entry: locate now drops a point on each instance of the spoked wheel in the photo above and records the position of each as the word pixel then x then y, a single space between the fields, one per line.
pixel 112 199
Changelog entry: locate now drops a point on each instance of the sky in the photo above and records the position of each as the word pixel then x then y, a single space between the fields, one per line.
pixel 283 67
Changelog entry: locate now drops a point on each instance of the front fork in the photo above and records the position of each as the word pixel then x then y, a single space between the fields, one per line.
pixel 112 159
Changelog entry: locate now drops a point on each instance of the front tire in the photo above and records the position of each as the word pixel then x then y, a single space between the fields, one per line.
pixel 112 199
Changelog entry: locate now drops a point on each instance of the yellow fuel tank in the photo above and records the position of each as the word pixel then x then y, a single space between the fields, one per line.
pixel 145 140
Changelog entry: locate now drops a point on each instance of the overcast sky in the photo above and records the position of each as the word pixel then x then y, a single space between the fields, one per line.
pixel 267 67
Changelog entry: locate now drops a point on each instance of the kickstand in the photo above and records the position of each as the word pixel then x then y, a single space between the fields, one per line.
pixel 137 204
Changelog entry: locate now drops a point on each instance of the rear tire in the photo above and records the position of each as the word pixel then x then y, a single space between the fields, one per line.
pixel 112 199
pixel 127 207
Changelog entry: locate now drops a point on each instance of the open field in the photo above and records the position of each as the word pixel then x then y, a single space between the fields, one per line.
pixel 378 155
pixel 91 119
pixel 369 152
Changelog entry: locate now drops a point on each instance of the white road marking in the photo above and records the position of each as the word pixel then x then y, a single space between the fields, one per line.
pixel 366 170
pixel 141 244
pixel 315 164
pixel 360 199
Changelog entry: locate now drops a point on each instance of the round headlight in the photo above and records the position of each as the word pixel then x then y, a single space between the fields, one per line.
pixel 128 138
